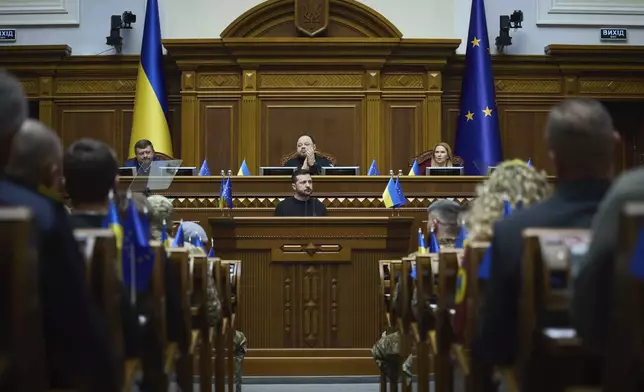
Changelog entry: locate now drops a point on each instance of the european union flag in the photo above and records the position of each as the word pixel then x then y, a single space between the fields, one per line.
pixel 460 239
pixel 138 256
pixel 478 141
pixel 485 268
pixel 507 208
pixel 178 237
pixel 212 248
pixel 637 261
pixel 243 169
pixel 529 163
pixel 205 170
pixel 434 247
pixel 400 198
pixel 373 169
pixel 197 242
pixel 227 194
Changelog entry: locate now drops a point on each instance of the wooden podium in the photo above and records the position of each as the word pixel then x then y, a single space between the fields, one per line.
pixel 309 289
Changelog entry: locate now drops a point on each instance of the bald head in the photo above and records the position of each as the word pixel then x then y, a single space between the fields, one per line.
pixel 13 111
pixel 581 138
pixel 36 155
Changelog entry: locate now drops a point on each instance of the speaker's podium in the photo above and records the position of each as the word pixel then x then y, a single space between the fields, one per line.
pixel 309 300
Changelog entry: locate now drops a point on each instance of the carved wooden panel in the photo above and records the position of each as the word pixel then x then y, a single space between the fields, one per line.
pixel 91 87
pixel 522 135
pixel 219 81
pixel 220 135
pixel 402 81
pixel 611 87
pixel 79 122
pixel 403 130
pixel 310 80
pixel 337 127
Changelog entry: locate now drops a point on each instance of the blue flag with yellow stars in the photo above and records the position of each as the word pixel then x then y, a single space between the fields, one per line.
pixel 478 141
pixel 138 256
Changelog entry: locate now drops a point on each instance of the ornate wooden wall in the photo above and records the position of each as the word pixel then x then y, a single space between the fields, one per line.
pixel 361 89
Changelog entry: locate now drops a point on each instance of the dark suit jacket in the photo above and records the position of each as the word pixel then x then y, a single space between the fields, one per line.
pixel 75 331
pixel 320 162
pixel 135 163
pixel 573 205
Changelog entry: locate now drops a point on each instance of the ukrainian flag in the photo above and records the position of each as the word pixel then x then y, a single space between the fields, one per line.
pixel 390 195
pixel 113 223
pixel 421 243
pixel 243 169
pixel 415 170
pixel 150 106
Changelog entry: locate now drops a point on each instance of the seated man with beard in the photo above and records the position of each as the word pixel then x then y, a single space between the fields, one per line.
pixel 144 156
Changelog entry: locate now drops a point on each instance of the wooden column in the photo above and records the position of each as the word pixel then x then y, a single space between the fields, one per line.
pixel 191 152
pixel 46 101
pixel 433 111
pixel 374 135
pixel 249 132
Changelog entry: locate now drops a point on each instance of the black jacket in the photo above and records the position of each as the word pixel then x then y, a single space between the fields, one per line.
pixel 320 162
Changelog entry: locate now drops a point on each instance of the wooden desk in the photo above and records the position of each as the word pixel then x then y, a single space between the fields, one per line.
pixel 309 289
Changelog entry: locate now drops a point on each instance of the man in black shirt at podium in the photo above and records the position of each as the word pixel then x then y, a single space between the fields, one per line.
pixel 301 203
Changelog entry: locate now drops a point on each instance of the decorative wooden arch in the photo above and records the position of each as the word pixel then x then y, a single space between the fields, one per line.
pixel 277 18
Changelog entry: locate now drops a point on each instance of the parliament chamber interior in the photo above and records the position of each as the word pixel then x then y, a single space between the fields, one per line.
pixel 301 195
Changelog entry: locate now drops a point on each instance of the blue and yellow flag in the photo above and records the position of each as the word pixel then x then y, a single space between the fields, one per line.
pixel 243 169
pixel 390 196
pixel 150 107
pixel 434 247
pixel 113 223
pixel 137 254
pixel 178 241
pixel 165 238
pixel 415 170
pixel 461 238
pixel 485 268
pixel 422 249
pixel 204 170
pixel 478 140
pixel 373 169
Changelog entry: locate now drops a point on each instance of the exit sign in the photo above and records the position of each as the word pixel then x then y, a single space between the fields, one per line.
pixel 612 34
pixel 7 35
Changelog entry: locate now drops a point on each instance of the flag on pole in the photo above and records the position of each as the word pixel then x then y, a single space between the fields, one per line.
pixel 415 170
pixel 205 170
pixel 477 140
pixel 243 169
pixel 373 169
pixel 150 106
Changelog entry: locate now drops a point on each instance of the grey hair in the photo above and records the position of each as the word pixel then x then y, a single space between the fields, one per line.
pixel 13 105
pixel 192 230
pixel 580 133
pixel 446 211
pixel 160 209
pixel 34 148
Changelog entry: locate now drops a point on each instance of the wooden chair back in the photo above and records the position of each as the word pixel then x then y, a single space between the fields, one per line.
pixel 546 340
pixel 22 345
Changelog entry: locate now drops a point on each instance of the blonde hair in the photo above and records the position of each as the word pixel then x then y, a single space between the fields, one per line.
pixel 512 180
pixel 447 148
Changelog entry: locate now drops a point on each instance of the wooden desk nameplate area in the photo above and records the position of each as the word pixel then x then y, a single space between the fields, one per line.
pixel 308 297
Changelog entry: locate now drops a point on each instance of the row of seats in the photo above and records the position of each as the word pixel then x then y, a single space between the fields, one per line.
pixel 162 362
pixel 438 329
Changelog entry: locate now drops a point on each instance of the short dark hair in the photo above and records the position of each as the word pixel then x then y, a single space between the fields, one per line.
pixel 143 143
pixel 306 134
pixel 299 172
pixel 89 167
pixel 580 133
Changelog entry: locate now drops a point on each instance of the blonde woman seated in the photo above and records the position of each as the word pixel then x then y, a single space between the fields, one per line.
pixel 439 156
pixel 160 209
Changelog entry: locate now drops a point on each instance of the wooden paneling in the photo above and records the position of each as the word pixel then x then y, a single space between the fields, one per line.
pixel 79 122
pixel 337 127
pixel 522 135
pixel 403 127
pixel 220 122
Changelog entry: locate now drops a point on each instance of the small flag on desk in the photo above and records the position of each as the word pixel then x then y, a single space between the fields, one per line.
pixel 243 169
pixel 113 223
pixel 178 237
pixel 434 247
pixel 137 254
pixel 461 238
pixel 227 194
pixel 478 141
pixel 212 248
pixel 205 170
pixel 529 163
pixel 373 169
pixel 401 200
pixel 221 190
pixel 485 268
pixel 415 170
pixel 165 238
pixel 507 207
pixel 390 195
pixel 422 249
pixel 198 243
